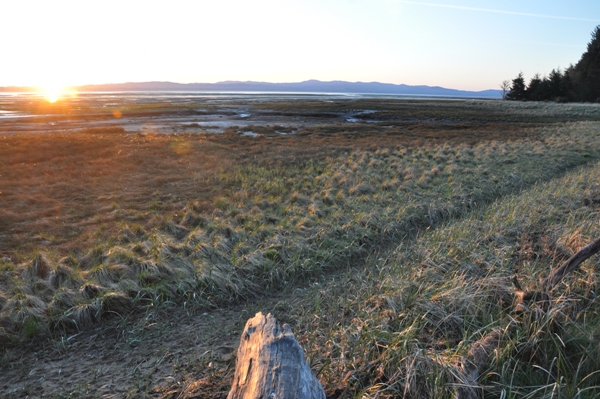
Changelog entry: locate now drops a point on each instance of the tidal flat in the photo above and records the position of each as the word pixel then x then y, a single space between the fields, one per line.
pixel 138 233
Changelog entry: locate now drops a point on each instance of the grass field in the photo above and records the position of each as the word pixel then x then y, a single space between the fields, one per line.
pixel 415 312
pixel 388 245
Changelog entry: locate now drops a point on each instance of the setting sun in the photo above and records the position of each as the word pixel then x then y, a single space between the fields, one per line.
pixel 54 92
pixel 52 96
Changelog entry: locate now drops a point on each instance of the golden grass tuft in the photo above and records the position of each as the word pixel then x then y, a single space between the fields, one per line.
pixel 25 306
pixel 90 291
pixel 61 275
pixel 84 314
pixel 38 268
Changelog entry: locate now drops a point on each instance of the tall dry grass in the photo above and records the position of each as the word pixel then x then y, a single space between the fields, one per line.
pixel 413 315
pixel 269 227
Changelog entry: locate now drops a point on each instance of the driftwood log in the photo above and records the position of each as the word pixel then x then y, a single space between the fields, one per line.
pixel 271 364
pixel 558 273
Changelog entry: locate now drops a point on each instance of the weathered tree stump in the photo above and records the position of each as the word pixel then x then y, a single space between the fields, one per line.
pixel 271 364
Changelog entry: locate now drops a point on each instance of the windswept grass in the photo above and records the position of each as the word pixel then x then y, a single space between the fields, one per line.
pixel 274 227
pixel 410 317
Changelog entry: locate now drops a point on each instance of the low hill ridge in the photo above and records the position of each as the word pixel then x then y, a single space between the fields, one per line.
pixel 308 86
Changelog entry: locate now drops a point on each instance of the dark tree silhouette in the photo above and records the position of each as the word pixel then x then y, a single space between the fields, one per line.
pixel 517 89
pixel 586 77
pixel 534 89
pixel 555 79
pixel 579 82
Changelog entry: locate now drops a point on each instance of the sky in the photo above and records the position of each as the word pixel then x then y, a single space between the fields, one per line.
pixel 460 44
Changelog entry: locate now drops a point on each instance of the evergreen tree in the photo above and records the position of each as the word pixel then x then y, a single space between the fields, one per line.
pixel 555 79
pixel 545 90
pixel 567 85
pixel 533 89
pixel 578 83
pixel 586 73
pixel 517 89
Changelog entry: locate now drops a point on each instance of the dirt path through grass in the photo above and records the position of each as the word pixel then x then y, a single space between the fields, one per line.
pixel 170 352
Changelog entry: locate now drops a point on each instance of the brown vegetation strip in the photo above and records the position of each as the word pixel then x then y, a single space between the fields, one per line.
pixel 65 191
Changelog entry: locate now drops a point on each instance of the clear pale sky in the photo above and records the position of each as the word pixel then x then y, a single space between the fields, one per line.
pixel 462 44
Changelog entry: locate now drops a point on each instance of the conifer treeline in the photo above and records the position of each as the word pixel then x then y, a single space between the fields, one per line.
pixel 579 82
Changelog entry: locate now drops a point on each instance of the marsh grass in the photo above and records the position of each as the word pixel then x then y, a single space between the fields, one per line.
pixel 393 240
pixel 276 227
pixel 412 315
pixel 441 111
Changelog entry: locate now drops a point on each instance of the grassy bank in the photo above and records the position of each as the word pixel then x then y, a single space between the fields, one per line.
pixel 274 227
pixel 411 316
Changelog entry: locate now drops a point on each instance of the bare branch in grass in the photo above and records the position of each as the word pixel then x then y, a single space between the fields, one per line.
pixel 557 274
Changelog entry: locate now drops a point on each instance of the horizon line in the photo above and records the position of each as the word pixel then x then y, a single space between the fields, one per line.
pixel 66 87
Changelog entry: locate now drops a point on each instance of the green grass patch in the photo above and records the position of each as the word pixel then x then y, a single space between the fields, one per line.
pixel 413 314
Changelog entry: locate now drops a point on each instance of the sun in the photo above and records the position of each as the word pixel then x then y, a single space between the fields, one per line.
pixel 52 95
pixel 53 92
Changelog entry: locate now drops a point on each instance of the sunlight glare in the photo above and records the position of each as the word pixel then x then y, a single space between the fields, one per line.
pixel 52 96
pixel 52 92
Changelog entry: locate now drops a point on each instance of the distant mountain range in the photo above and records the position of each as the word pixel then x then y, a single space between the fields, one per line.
pixel 309 86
